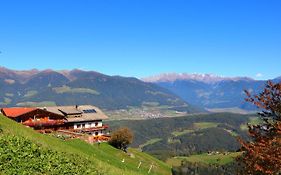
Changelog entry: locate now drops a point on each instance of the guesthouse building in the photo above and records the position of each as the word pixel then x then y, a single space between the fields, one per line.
pixel 85 119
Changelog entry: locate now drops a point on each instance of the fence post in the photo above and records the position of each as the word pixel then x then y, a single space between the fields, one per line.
pixel 150 168
pixel 139 165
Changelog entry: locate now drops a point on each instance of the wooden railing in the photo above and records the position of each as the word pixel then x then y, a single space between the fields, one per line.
pixel 37 123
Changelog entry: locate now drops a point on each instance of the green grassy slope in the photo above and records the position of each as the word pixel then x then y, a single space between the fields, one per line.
pixel 104 158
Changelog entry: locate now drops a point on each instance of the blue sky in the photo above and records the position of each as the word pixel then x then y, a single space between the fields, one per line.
pixel 143 37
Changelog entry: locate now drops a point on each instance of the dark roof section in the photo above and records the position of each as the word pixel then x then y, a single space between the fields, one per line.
pixel 69 110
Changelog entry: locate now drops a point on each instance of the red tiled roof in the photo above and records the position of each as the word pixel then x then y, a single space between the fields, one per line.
pixel 15 112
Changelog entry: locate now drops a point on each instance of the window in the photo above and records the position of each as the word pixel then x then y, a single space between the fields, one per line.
pixel 97 123
pixel 83 125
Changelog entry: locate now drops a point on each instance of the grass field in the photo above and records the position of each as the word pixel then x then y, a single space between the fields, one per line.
pixel 30 93
pixel 43 103
pixel 66 89
pixel 106 158
pixel 204 125
pixel 235 110
pixel 253 121
pixel 179 133
pixel 220 159
pixel 149 142
pixel 6 101
pixel 233 133
pixel 198 126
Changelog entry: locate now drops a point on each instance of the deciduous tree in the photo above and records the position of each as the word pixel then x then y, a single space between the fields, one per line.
pixel 262 155
pixel 121 138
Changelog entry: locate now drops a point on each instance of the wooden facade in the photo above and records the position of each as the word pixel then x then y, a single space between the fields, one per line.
pixel 37 118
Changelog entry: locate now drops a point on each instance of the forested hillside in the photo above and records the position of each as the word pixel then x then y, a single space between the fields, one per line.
pixel 194 144
pixel 183 136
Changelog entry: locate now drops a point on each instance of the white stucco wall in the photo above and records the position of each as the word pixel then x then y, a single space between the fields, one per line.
pixel 88 125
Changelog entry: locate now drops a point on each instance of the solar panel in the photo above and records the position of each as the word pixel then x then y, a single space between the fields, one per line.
pixel 89 111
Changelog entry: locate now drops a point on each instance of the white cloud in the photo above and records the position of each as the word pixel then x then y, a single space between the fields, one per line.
pixel 259 75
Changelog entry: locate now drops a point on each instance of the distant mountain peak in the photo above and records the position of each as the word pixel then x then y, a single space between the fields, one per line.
pixel 206 78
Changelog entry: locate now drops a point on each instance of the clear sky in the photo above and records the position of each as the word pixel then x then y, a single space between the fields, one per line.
pixel 143 37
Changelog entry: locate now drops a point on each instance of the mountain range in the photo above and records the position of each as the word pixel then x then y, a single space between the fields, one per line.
pixel 49 87
pixel 210 91
pixel 205 78
pixel 187 92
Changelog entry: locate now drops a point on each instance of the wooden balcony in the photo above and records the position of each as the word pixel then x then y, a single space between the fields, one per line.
pixel 43 123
